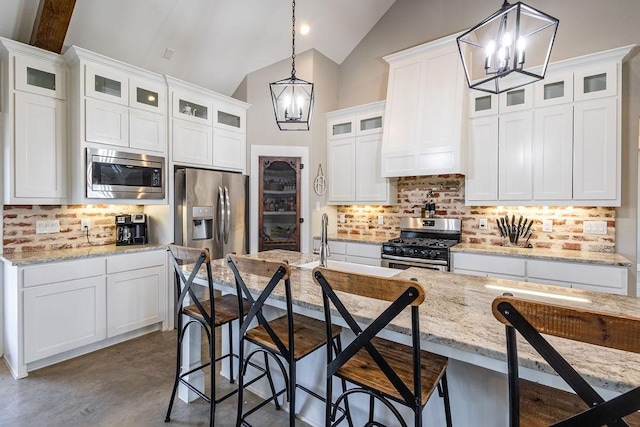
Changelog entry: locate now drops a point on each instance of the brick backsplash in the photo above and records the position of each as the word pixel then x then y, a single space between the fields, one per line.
pixel 413 192
pixel 19 223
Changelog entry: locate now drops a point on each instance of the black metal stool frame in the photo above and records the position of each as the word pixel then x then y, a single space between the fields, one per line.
pixel 287 353
pixel 208 325
pixel 363 338
pixel 601 412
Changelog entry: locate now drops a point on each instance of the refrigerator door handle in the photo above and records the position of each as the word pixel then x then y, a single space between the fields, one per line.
pixel 227 223
pixel 220 219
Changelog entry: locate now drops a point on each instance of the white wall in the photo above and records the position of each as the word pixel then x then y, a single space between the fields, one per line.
pixel 263 131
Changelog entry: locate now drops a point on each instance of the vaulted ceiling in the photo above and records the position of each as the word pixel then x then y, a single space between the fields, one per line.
pixel 213 43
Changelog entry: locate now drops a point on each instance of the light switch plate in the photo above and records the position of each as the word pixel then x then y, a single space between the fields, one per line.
pixel 47 227
pixel 547 225
pixel 342 218
pixel 594 227
pixel 380 220
pixel 482 223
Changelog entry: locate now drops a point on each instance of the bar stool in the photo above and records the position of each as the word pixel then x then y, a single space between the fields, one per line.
pixel 533 404
pixel 385 371
pixel 225 310
pixel 290 337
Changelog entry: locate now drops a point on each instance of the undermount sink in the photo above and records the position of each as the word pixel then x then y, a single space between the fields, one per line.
pixel 354 268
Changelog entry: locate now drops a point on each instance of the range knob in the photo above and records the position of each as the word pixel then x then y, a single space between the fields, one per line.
pixel 398 250
pixel 432 254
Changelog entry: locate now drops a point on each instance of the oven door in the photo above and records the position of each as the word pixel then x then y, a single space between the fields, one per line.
pixel 401 263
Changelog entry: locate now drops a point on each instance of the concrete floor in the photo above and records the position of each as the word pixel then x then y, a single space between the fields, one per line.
pixel 128 384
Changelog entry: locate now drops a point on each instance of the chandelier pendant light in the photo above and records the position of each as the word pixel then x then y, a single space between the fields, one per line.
pixel 509 49
pixel 292 97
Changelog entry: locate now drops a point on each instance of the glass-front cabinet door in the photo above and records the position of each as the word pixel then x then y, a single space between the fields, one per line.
pixel 148 95
pixel 106 84
pixel 190 107
pixel 40 77
pixel 279 207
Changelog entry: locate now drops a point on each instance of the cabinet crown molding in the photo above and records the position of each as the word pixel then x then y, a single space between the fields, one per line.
pixel 619 54
pixel 12 47
pixel 428 46
pixel 175 83
pixel 358 109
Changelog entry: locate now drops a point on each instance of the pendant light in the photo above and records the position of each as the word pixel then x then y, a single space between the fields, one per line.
pixel 509 49
pixel 292 98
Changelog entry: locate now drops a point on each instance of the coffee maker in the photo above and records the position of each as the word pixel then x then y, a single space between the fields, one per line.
pixel 131 229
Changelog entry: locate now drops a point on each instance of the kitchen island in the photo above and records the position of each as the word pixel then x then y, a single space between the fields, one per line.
pixel 456 321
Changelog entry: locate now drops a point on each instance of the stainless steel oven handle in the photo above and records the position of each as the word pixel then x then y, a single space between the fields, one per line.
pixel 416 260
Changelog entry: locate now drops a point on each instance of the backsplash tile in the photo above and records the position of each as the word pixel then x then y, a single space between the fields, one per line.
pixel 19 223
pixel 413 192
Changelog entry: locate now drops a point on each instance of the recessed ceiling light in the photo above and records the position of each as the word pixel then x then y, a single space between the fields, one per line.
pixel 304 29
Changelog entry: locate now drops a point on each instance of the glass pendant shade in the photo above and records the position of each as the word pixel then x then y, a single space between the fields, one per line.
pixel 509 49
pixel 292 103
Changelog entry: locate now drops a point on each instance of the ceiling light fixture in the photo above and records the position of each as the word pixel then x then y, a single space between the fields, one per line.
pixel 292 98
pixel 509 49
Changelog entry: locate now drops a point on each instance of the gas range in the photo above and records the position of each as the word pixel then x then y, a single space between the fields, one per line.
pixel 423 242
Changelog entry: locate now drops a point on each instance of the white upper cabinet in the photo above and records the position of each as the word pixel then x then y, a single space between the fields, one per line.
pixel 106 84
pixel 553 153
pixel 426 106
pixel 40 76
pixel 208 129
pixel 559 140
pixel 113 96
pixel 354 139
pixel 596 172
pixel 554 89
pixel 482 176
pixel 515 156
pixel 34 125
pixel 482 104
pixel 516 100
pixel 596 82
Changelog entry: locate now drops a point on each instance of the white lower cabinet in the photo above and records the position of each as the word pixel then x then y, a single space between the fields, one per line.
pixel 63 316
pixel 136 291
pixel 601 278
pixel 67 308
pixel 357 253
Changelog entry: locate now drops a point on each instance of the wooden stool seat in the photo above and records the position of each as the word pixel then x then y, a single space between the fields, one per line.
pixel 308 334
pixel 363 371
pixel 226 309
pixel 541 406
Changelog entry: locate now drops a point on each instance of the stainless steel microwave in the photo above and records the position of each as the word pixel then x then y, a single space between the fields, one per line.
pixel 118 175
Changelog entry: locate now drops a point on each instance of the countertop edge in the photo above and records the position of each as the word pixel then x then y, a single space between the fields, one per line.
pixel 60 255
pixel 603 258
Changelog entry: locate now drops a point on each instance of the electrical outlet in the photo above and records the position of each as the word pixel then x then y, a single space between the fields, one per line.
pixel 380 220
pixel 85 224
pixel 482 223
pixel 547 225
pixel 342 219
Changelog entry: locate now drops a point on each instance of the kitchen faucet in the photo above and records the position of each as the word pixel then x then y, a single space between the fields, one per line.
pixel 324 246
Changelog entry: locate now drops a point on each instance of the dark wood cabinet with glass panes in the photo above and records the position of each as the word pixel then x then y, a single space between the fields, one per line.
pixel 279 208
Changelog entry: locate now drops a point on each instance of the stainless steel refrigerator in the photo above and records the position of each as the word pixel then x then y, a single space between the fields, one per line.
pixel 211 211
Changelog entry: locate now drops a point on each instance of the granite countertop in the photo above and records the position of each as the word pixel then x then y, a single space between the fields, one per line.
pixel 545 254
pixel 457 314
pixel 42 257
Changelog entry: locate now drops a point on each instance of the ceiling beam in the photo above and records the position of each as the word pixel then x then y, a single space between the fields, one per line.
pixel 52 22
